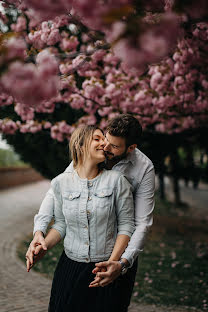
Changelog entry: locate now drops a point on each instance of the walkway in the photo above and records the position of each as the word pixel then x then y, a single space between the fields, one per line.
pixel 21 291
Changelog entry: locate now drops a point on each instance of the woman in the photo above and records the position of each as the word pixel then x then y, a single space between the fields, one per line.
pixel 94 212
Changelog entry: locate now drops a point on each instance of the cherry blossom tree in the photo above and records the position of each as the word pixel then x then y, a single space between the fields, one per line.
pixel 68 63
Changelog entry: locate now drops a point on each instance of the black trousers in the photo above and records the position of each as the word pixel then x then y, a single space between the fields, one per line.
pixel 70 291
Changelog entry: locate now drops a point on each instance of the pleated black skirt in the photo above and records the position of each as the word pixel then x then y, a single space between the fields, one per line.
pixel 70 291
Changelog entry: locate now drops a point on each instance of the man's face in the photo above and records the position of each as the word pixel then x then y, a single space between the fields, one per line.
pixel 115 147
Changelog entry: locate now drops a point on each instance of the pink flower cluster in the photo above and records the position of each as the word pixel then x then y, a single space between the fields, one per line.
pixel 171 96
pixel 25 83
pixel 61 130
pixel 8 126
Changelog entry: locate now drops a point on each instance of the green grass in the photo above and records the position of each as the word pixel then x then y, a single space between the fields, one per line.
pixel 173 266
pixel 173 271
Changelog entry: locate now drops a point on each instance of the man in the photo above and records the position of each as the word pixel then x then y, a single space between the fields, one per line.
pixel 121 142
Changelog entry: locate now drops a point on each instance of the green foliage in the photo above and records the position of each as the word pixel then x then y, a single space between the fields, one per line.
pixel 10 159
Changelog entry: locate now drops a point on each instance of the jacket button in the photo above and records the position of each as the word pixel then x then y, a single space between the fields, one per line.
pixel 90 183
pixel 89 198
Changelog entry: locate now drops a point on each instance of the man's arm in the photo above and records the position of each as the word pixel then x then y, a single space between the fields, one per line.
pixel 144 206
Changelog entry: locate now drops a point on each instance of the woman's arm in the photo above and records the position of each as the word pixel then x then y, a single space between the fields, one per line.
pixel 119 247
pixel 59 226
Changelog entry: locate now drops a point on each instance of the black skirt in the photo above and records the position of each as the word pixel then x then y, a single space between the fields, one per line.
pixel 70 291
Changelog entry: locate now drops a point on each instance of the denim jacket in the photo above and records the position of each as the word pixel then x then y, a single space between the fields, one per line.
pixel 139 171
pixel 91 213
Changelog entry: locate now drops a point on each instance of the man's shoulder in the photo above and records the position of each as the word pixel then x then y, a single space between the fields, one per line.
pixel 140 159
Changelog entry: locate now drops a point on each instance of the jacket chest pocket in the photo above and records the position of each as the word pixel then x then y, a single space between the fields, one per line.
pixel 103 198
pixel 71 201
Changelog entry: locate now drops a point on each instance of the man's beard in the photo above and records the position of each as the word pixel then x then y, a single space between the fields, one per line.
pixel 115 159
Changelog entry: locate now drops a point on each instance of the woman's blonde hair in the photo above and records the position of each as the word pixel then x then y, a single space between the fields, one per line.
pixel 79 144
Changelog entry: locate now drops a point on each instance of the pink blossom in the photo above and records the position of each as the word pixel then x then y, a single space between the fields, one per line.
pixel 15 48
pixel 20 25
pixel 76 101
pixel 61 130
pixel 8 126
pixel 47 125
pixel 69 44
pixel 5 99
pixel 53 37
pixel 31 126
pixel 24 111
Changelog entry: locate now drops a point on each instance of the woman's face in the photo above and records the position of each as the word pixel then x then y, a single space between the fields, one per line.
pixel 96 152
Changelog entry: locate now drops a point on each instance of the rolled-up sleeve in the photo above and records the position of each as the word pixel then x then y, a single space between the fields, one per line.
pixel 144 206
pixel 45 214
pixel 124 207
pixel 59 219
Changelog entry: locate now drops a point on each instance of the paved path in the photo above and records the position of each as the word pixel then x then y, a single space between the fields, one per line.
pixel 196 199
pixel 21 291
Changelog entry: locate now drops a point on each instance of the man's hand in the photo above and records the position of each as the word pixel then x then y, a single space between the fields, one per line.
pixel 113 270
pixel 38 241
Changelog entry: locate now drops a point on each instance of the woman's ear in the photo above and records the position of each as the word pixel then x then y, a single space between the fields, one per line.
pixel 131 148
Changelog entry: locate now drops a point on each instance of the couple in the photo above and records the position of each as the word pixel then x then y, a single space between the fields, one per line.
pixel 103 216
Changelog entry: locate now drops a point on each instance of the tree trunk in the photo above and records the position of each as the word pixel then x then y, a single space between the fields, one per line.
pixel 175 176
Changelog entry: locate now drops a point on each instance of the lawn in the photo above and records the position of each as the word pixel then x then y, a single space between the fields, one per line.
pixel 173 266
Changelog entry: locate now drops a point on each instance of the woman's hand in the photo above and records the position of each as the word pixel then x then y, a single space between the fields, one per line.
pixel 110 271
pixel 38 240
pixel 97 279
pixel 34 255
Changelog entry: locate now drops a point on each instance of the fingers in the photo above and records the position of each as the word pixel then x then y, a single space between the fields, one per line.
pixel 38 249
pixel 93 286
pixel 43 243
pixel 28 264
pixel 100 269
pixel 102 264
pixel 29 255
pixel 96 282
pixel 38 240
pixel 103 275
pixel 105 281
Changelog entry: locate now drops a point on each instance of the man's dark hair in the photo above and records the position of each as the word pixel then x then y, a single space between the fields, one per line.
pixel 127 127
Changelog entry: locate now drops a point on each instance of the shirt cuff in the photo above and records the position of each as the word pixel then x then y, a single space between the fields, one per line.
pixel 131 256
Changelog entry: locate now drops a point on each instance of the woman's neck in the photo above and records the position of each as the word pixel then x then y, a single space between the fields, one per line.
pixel 87 171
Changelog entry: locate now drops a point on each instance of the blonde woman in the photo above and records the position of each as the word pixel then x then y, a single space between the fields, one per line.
pixel 94 213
